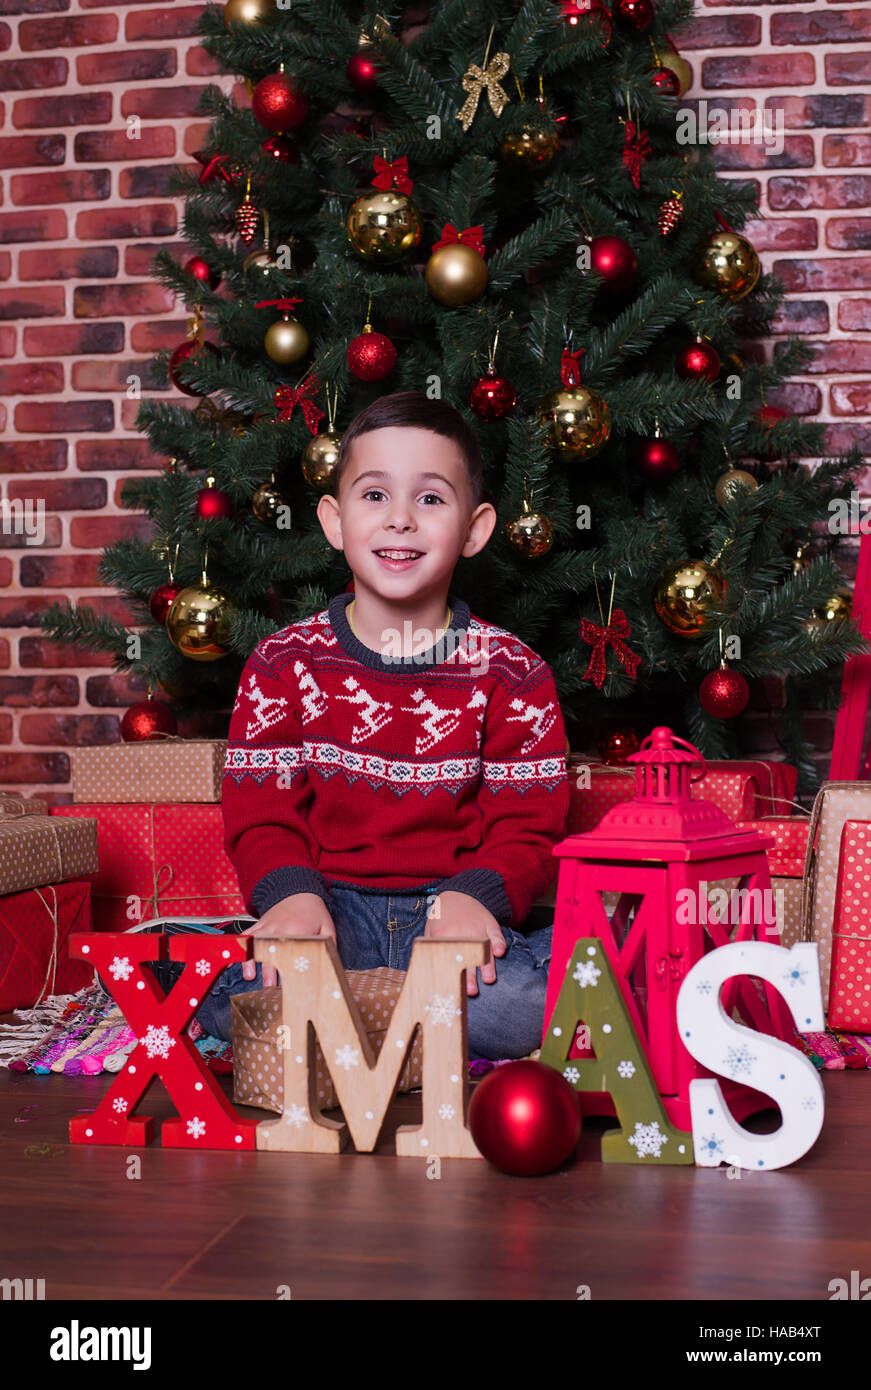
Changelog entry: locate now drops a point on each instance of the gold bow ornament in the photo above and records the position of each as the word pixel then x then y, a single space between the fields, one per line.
pixel 476 79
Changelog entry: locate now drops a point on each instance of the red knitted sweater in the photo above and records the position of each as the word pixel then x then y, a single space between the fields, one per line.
pixel 442 770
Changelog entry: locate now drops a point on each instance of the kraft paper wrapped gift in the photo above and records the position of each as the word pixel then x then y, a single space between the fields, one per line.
pixel 257 1058
pixel 835 804
pixel 36 850
pixel 169 860
pixel 169 769
pixel 850 993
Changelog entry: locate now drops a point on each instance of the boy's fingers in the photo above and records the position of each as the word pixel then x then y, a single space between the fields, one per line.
pixel 249 969
pixel 270 977
pixel 488 973
pixel 471 982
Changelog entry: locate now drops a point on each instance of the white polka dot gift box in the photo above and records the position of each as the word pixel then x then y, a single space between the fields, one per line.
pixel 850 991
pixel 163 770
pixel 835 804
pixel 257 1055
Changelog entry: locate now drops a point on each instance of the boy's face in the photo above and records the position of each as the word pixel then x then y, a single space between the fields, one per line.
pixel 405 489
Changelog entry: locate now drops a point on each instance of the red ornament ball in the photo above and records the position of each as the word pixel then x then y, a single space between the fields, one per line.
pixel 657 459
pixel 635 15
pixel 616 746
pixel 282 148
pixel 202 271
pixel 147 720
pixel 278 104
pixel 525 1118
pixel 191 352
pixel 666 81
pixel 161 600
pixel 767 416
pixel 371 357
pixel 211 503
pixel 698 362
pixel 614 259
pixel 724 693
pixel 363 73
pixel 587 12
pixel 492 397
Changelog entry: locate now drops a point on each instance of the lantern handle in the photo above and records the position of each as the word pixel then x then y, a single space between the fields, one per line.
pixel 657 735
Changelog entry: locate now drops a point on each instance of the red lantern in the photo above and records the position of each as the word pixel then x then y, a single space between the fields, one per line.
pixel 658 852
pixel 525 1118
pixel 278 104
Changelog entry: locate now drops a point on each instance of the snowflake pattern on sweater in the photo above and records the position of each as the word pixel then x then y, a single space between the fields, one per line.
pixel 443 770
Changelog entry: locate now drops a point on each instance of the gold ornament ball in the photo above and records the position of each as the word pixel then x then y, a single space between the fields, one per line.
pixel 261 260
pixel 681 69
pixel 456 275
pixel 686 594
pixel 839 607
pixel 729 264
pixel 286 341
pixel 733 482
pixel 197 622
pixel 578 420
pixel 266 502
pixel 531 533
pixel 529 148
pixel 247 11
pixel 319 459
pixel 383 226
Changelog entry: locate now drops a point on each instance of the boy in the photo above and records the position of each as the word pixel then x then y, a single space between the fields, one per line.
pixel 396 765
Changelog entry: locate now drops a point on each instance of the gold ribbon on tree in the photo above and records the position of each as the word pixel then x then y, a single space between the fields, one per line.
pixel 476 80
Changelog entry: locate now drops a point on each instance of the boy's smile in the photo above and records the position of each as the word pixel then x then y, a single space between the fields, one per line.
pixel 403 518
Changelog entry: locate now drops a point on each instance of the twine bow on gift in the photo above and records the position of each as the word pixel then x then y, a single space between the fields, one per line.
pixel 470 236
pixel 392 173
pixel 613 634
pixel 476 80
pixel 286 397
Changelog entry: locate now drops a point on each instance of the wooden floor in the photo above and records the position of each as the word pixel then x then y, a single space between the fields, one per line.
pixel 214 1225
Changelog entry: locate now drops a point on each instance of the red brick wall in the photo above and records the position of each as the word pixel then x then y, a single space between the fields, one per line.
pixel 83 208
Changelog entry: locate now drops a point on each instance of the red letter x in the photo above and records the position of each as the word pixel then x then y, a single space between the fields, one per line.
pixel 207 1119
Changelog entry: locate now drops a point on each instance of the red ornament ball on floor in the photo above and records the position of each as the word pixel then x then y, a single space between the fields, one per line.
pixel 724 693
pixel 525 1118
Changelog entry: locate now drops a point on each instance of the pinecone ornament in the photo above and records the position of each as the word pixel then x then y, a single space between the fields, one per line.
pixel 246 217
pixel 670 214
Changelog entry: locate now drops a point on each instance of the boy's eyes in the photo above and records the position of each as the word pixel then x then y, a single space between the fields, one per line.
pixel 377 491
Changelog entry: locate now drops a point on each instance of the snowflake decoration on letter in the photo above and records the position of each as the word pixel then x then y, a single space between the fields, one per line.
pixel 809 1103
pixel 711 1145
pixel 347 1057
pixel 648 1139
pixel 446 1111
pixel 300 964
pixel 739 1060
pixel 120 969
pixel 704 986
pixel 626 1069
pixel 157 1041
pixel 203 967
pixel 795 977
pixel 586 973
pixel 196 1128
pixel 119 1104
pixel 441 1009
pixel 572 1075
pixel 295 1116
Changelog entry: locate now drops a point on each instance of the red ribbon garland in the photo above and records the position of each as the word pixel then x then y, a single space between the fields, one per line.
pixel 636 150
pixel 286 303
pixel 611 636
pixel 286 397
pixel 570 367
pixel 471 236
pixel 387 174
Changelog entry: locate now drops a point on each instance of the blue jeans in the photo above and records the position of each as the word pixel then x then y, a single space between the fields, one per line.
pixel 505 1019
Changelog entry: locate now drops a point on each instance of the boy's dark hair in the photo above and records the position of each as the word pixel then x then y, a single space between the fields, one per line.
pixel 415 408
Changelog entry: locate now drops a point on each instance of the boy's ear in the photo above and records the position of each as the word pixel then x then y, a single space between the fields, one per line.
pixel 327 513
pixel 481 528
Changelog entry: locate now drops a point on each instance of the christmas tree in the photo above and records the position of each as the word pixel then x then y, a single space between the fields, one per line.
pixel 493 207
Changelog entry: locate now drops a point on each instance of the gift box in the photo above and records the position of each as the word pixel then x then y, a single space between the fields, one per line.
pixel 850 990
pixel 257 1058
pixel 170 769
pixel 786 858
pixel 34 927
pixel 159 861
pixel 36 849
pixel 743 790
pixel 835 804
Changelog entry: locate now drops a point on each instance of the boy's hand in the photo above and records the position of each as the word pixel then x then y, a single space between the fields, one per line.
pixel 302 914
pixel 459 915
